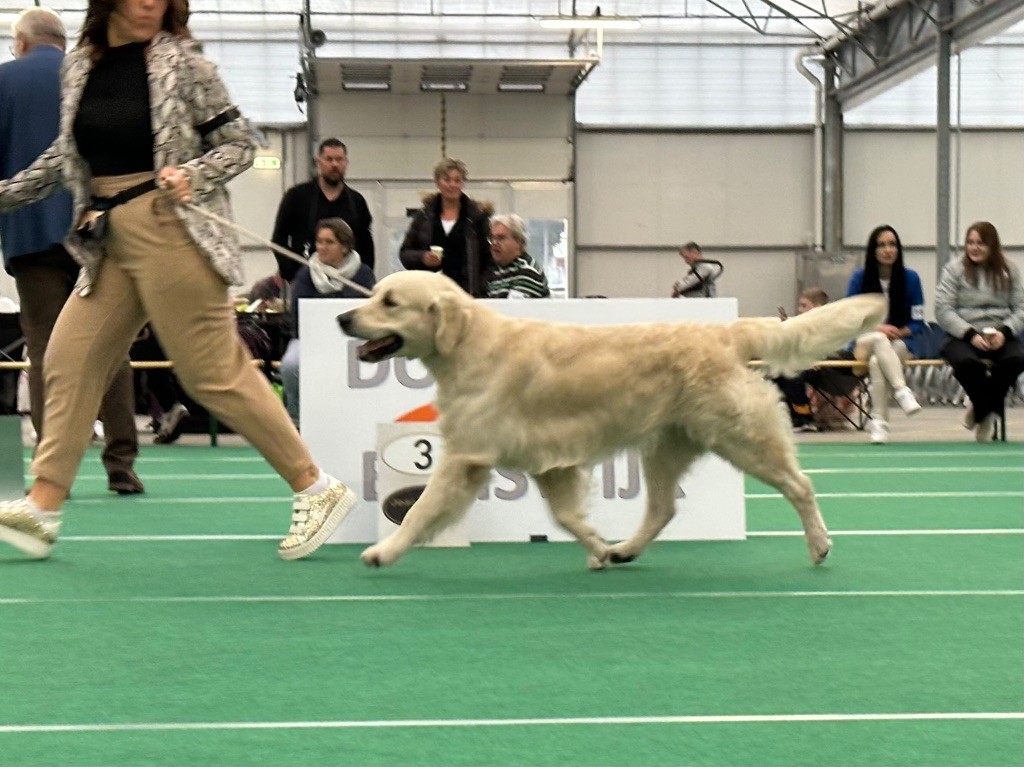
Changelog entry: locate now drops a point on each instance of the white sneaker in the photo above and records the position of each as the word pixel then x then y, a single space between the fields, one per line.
pixel 171 424
pixel 314 518
pixel 985 431
pixel 27 530
pixel 878 430
pixel 907 401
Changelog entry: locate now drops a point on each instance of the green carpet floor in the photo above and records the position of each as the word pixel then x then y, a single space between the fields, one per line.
pixel 906 648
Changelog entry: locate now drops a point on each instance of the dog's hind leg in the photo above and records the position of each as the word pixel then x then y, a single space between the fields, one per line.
pixel 763 448
pixel 566 493
pixel 446 498
pixel 663 462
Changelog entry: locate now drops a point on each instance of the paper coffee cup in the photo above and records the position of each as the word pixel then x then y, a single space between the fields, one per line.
pixel 990 334
pixel 438 251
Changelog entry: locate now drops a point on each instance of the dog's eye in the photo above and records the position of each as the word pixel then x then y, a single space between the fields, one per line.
pixel 389 301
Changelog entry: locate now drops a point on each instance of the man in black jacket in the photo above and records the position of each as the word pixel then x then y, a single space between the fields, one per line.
pixel 326 196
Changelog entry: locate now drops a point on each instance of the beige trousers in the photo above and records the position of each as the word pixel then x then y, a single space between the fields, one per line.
pixel 885 360
pixel 154 271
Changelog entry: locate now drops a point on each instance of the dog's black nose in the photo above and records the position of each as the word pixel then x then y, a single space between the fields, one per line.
pixel 345 321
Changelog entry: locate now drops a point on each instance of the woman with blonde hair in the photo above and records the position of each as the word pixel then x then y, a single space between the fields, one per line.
pixel 449 233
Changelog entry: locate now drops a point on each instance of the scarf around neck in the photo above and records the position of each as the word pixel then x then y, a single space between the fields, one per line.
pixel 329 279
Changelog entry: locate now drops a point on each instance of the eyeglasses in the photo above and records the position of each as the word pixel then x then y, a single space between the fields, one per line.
pixel 498 238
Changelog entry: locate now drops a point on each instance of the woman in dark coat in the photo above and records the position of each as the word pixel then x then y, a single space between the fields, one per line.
pixel 456 224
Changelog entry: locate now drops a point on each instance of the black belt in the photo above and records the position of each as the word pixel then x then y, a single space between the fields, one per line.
pixel 106 203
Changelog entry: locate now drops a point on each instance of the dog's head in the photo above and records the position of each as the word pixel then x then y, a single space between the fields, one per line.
pixel 413 314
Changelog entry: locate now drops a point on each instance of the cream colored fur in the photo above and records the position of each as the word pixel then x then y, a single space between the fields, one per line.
pixel 554 399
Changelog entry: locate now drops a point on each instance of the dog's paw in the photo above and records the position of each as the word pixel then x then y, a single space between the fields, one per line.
pixel 619 554
pixel 819 549
pixel 597 560
pixel 373 557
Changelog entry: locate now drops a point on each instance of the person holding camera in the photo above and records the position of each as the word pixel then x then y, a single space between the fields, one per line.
pixel 699 282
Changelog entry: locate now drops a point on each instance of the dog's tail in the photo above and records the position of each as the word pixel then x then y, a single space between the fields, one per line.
pixel 796 344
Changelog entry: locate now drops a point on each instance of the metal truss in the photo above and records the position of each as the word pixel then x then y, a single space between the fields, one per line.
pixel 904 40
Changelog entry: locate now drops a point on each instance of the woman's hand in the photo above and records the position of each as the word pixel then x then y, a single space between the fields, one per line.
pixel 430 259
pixel 891 332
pixel 995 341
pixel 176 183
pixel 978 341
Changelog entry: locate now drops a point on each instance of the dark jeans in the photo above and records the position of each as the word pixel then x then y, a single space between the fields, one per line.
pixel 986 386
pixel 44 281
pixel 794 393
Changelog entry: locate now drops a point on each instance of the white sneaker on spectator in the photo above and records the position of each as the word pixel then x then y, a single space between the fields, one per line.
pixel 171 424
pixel 907 401
pixel 314 518
pixel 878 431
pixel 30 531
pixel 985 431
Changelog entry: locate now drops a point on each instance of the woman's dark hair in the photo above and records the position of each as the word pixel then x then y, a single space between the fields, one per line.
pixel 899 306
pixel 995 266
pixel 97 17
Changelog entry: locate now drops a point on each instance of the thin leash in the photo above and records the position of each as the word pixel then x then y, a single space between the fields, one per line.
pixel 267 243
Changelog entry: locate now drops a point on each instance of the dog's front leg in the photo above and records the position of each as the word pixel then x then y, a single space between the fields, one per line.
pixel 566 493
pixel 447 496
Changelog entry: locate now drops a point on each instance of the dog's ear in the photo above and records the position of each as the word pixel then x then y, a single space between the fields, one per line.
pixel 451 318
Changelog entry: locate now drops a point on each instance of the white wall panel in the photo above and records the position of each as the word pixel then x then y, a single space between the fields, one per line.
pixel 661 189
pixel 507 136
pixel 760 281
pixel 890 178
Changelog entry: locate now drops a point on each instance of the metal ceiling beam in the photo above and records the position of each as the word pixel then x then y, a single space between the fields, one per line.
pixel 884 51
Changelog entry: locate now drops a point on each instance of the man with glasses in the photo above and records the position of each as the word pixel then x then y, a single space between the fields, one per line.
pixel 31 237
pixel 514 274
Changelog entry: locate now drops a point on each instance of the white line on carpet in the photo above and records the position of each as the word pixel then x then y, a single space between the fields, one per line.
pixel 201 538
pixel 146 499
pixel 892 494
pixel 520 722
pixel 918 470
pixel 370 598
pixel 218 477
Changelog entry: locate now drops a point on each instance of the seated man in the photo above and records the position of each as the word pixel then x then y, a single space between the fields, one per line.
pixel 514 273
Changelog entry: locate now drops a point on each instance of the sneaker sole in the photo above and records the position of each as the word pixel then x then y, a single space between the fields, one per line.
pixel 26 544
pixel 338 513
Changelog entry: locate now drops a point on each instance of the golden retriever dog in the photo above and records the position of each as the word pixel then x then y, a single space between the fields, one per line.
pixel 555 399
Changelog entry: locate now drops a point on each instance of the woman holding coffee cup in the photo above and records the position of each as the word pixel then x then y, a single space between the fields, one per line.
pixel 449 233
pixel 979 302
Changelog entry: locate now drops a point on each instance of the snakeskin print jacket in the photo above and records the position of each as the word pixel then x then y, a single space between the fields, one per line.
pixel 195 128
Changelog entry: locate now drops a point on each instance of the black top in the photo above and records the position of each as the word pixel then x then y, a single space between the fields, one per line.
pixel 305 204
pixel 113 128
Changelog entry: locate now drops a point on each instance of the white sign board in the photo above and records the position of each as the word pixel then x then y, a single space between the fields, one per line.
pixel 343 400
